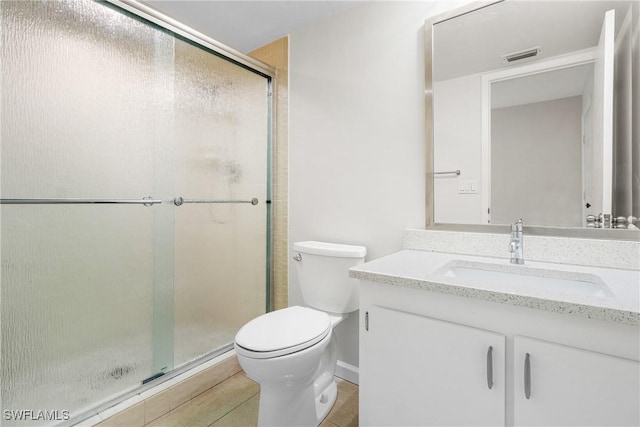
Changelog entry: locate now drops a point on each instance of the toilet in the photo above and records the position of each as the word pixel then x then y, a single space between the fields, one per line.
pixel 291 353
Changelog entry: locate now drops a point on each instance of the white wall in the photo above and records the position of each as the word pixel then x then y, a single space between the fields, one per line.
pixel 458 132
pixel 357 133
pixel 536 156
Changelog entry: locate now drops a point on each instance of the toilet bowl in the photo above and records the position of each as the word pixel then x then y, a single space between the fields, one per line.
pixel 291 353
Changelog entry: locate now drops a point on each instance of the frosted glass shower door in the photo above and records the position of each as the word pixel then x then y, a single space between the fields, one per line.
pixel 81 118
pixel 97 298
pixel 221 150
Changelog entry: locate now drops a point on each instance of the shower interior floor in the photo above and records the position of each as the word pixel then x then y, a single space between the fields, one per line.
pixel 234 402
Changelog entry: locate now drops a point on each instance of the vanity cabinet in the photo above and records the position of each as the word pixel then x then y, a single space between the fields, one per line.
pixel 424 361
pixel 428 372
pixel 571 386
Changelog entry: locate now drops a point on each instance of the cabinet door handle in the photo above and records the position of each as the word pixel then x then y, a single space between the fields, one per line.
pixel 527 377
pixel 490 367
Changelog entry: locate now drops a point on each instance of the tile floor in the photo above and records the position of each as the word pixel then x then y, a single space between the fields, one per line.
pixel 234 403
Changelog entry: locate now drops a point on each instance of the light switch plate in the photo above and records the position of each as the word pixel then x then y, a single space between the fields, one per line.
pixel 469 186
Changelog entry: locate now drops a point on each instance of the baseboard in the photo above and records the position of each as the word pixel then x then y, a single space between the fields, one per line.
pixel 348 372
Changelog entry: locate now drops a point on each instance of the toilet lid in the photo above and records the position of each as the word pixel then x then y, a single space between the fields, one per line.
pixel 294 328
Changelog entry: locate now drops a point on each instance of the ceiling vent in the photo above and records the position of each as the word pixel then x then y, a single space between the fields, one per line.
pixel 522 54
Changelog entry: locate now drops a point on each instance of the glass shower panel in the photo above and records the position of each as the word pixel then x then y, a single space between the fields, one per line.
pixel 221 132
pixel 85 108
pixel 76 301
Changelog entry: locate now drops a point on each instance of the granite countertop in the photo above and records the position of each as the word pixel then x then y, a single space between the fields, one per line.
pixel 426 270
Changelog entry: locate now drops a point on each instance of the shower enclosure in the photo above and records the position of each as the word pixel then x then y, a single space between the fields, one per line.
pixel 135 208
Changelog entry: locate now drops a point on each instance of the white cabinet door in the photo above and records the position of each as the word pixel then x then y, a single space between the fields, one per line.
pixel 573 387
pixel 418 371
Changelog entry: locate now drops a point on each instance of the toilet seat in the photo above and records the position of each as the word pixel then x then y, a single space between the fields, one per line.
pixel 282 332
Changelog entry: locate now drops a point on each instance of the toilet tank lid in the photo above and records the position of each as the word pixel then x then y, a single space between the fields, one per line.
pixel 330 249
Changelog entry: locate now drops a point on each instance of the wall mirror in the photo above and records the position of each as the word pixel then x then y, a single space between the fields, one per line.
pixel 533 112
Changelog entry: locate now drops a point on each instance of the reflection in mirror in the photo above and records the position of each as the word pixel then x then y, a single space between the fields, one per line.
pixel 529 120
pixel 537 105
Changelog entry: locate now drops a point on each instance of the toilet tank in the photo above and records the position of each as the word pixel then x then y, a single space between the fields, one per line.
pixel 323 273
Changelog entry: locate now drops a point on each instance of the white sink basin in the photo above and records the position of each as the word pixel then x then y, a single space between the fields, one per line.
pixel 515 275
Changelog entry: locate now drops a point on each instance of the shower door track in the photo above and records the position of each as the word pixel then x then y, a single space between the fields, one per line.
pixel 150 14
pixel 149 385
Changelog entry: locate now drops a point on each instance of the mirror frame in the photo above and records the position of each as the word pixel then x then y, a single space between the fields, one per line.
pixel 571 232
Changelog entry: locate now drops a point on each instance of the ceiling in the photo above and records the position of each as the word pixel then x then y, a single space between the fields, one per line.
pixel 475 42
pixel 248 25
pixel 556 84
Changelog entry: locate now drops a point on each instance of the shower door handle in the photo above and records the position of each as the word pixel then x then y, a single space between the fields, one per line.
pixel 147 201
pixel 179 201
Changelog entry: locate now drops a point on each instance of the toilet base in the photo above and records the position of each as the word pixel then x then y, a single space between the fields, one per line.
pixel 286 404
pixel 325 401
pixel 295 408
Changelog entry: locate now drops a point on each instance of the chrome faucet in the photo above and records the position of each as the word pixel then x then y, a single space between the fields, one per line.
pixel 515 246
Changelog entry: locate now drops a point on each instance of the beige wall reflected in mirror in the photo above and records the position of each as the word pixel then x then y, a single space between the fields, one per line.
pixel 547 136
